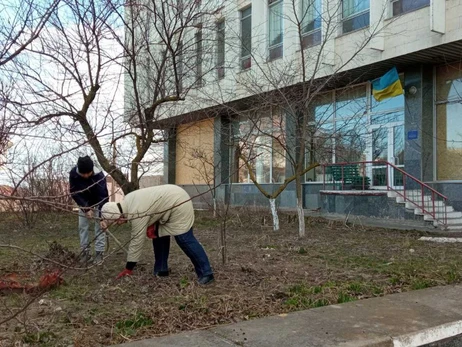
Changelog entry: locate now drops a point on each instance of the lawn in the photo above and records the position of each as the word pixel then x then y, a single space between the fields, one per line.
pixel 267 273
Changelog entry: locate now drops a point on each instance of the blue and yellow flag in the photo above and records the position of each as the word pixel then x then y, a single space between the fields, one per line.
pixel 387 86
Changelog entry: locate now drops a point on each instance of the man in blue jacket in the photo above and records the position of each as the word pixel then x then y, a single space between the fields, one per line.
pixel 88 188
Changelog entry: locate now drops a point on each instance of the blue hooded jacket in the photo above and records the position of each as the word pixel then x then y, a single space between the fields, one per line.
pixel 88 192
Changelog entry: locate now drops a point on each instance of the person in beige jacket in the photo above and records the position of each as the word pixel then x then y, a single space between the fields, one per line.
pixel 158 213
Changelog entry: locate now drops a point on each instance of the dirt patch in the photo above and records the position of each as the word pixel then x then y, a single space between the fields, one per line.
pixel 267 273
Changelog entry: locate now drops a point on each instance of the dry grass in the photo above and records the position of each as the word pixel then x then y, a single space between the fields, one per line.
pixel 267 273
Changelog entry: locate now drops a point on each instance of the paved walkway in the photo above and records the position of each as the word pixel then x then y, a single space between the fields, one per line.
pixel 416 318
pixel 388 223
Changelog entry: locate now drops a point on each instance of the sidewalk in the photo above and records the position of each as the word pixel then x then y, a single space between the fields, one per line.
pixel 416 318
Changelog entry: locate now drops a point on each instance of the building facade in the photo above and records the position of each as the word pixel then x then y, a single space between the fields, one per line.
pixel 278 73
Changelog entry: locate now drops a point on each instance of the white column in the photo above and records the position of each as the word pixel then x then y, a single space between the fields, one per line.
pixel 438 16
pixel 331 14
pixel 378 13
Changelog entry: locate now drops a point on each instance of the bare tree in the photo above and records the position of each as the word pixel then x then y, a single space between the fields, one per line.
pixel 22 23
pixel 284 115
pixel 70 77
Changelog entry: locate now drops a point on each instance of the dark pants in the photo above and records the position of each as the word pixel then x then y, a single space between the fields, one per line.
pixel 189 245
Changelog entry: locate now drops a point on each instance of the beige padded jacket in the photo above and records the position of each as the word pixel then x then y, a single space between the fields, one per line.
pixel 169 204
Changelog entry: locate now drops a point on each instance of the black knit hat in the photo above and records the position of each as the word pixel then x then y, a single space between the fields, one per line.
pixel 85 165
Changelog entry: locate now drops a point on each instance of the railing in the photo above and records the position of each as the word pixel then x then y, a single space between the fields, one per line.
pixel 365 175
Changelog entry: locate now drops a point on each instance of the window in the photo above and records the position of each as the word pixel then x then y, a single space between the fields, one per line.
pixel 339 129
pixel 262 143
pixel 403 6
pixel 180 67
pixel 355 15
pixel 198 40
pixel 275 29
pixel 449 122
pixel 310 19
pixel 221 49
pixel 246 38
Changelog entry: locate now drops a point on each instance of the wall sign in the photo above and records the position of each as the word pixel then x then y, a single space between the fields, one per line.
pixel 412 134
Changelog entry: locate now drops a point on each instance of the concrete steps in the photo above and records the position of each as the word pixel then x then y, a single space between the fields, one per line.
pixel 414 201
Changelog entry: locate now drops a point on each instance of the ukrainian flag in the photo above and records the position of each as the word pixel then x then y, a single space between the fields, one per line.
pixel 387 86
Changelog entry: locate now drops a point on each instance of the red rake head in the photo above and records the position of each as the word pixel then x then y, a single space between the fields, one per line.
pixel 11 283
pixel 50 280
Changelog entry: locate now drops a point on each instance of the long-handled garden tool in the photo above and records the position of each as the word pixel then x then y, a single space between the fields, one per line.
pixel 116 241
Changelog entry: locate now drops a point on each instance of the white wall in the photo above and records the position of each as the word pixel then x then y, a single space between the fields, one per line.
pixel 392 37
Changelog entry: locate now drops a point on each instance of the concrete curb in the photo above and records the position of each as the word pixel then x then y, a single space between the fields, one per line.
pixel 429 335
pixel 411 319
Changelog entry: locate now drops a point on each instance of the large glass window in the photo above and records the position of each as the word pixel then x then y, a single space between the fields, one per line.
pixel 310 18
pixel 350 124
pixel 275 29
pixel 449 122
pixel 403 6
pixel 319 146
pixel 355 15
pixel 199 75
pixel 261 140
pixel 339 130
pixel 246 38
pixel 221 49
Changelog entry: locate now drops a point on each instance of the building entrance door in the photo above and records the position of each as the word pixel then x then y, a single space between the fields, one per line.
pixel 387 144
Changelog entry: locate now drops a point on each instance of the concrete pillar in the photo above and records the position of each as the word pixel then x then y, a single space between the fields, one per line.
pixel 222 150
pixel 170 157
pixel 418 122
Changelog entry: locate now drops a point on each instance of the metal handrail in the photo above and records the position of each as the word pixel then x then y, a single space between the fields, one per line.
pixel 406 176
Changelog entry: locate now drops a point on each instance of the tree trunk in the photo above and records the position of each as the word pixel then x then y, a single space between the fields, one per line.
pixel 223 242
pixel 301 218
pixel 300 211
pixel 214 206
pixel 274 212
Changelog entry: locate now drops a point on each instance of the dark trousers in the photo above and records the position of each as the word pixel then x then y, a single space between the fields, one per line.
pixel 189 245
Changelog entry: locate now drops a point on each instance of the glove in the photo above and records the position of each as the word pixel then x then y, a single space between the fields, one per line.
pixel 151 232
pixel 124 273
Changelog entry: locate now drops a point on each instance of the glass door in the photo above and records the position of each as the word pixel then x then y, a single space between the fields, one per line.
pixel 387 144
pixel 397 152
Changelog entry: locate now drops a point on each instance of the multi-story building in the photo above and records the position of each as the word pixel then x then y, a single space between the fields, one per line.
pixel 262 68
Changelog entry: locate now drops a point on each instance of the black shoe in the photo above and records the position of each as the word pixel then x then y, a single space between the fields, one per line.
pixel 162 273
pixel 85 257
pixel 99 258
pixel 206 279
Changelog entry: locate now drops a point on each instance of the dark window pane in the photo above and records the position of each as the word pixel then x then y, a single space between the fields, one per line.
pixel 312 39
pixel 246 32
pixel 221 49
pixel 310 15
pixel 275 52
pixel 310 26
pixel 199 58
pixel 221 72
pixel 246 63
pixel 247 12
pixel 351 8
pixel 355 23
pixel 275 23
pixel 180 67
pixel 403 6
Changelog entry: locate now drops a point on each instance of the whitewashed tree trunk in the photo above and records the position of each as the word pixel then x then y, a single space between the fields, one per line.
pixel 301 218
pixel 214 207
pixel 274 212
